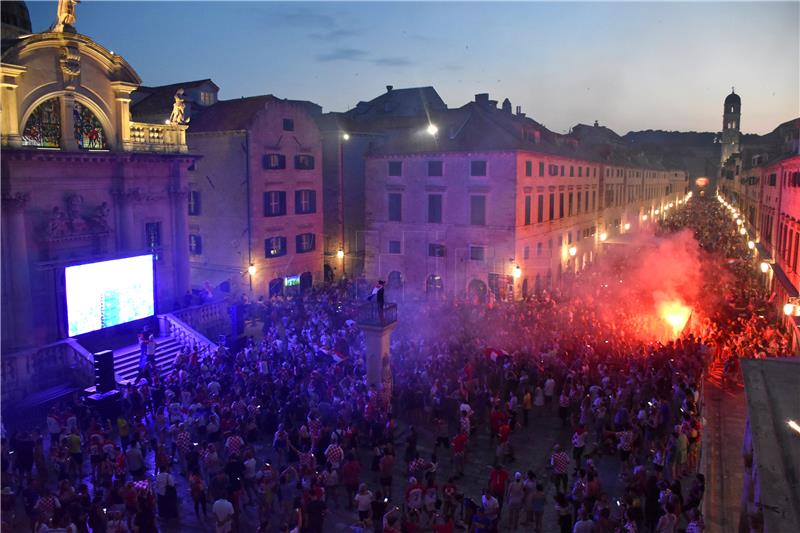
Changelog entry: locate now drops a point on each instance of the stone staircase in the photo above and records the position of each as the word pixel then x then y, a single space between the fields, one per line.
pixel 126 360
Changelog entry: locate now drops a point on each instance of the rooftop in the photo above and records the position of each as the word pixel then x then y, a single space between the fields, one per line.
pixel 773 398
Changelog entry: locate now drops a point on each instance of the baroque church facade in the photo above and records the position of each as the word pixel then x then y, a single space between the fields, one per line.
pixel 81 181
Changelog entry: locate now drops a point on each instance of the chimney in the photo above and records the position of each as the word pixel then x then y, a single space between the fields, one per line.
pixel 482 98
pixel 519 110
pixel 389 88
pixel 493 104
pixel 507 106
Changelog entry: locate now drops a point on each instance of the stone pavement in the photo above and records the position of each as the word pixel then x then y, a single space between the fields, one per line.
pixel 725 413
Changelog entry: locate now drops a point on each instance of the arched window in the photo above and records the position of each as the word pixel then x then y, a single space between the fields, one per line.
pixel 43 128
pixel 89 133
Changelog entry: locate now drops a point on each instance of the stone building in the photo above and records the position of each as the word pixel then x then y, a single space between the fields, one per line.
pixel 255 196
pixel 483 202
pixel 81 181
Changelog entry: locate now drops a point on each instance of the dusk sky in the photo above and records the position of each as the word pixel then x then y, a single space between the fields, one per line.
pixel 632 66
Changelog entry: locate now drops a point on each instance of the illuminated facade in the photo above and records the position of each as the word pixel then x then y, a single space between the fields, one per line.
pixel 81 181
pixel 495 206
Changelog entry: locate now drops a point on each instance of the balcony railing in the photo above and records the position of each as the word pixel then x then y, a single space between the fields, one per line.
pixel 370 314
pixel 146 137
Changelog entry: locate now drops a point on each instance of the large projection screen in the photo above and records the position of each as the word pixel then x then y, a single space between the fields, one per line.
pixel 104 294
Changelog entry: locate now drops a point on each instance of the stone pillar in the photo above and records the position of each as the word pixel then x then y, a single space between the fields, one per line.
pixel 122 98
pixel 19 269
pixel 68 141
pixel 9 118
pixel 128 236
pixel 180 238
pixel 377 340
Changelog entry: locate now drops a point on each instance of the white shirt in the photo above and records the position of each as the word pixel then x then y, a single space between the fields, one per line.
pixel 223 512
pixel 164 480
pixel 549 386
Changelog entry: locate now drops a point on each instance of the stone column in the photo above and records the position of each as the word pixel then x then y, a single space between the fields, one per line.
pixel 16 259
pixel 128 236
pixel 68 141
pixel 9 119
pixel 180 238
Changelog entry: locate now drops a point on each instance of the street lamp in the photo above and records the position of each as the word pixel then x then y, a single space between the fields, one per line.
pixel 603 236
pixel 517 272
pixel 432 129
pixel 788 309
pixel 764 267
pixel 340 254
pixel 644 218
pixel 346 136
pixel 742 231
pixel 751 244
pixel 572 251
pixel 627 226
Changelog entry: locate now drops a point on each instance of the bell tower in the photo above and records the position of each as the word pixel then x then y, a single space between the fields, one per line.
pixel 731 120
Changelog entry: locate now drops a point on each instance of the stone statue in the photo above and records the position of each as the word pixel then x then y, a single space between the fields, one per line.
pixel 65 16
pixel 57 225
pixel 100 219
pixel 178 115
pixel 74 214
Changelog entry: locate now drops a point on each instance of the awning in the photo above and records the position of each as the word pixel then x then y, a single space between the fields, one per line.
pixel 783 279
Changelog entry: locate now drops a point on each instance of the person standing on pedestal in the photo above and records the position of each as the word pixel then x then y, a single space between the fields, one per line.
pixel 378 294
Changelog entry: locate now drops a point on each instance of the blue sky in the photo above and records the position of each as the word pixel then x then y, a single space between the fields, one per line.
pixel 631 66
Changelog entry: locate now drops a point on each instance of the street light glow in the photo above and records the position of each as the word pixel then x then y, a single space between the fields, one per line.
pixel 627 226
pixel 742 231
pixel 764 267
pixel 572 251
pixel 644 217
pixel 792 424
pixel 751 244
pixel 251 269
pixel 517 272
pixel 432 129
pixel 340 254
pixel 788 309
pixel 603 236
pixel 346 136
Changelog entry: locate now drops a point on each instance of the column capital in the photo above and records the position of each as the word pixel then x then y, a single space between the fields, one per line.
pixel 16 202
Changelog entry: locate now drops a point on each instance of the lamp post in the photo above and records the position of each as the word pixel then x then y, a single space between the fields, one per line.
pixel 251 271
pixel 340 254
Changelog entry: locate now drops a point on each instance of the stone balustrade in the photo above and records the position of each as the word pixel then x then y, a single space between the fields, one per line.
pixel 186 336
pixel 211 319
pixel 32 370
pixel 146 137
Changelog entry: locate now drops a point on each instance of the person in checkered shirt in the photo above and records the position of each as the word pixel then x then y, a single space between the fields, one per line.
pixel 334 454
pixel 560 461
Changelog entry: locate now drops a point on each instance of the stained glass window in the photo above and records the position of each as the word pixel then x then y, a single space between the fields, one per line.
pixel 43 128
pixel 88 132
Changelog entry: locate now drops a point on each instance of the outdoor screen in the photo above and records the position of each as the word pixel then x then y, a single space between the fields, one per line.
pixel 104 294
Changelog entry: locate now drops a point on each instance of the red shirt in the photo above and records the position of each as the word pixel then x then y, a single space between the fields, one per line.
pixel 497 481
pixel 351 472
pixel 459 444
pixel 503 433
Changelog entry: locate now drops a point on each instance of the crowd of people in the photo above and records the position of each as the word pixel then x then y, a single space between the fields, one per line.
pixel 285 434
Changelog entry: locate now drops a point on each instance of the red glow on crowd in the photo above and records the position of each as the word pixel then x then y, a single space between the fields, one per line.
pixel 676 314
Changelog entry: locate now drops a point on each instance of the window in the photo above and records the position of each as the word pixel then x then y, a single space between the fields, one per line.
pixel 206 98
pixel 395 207
pixel 527 210
pixel 304 243
pixel 594 200
pixel 304 162
pixel 586 197
pixel 274 162
pixel 152 235
pixel 526 253
pixel 539 249
pixel 477 168
pixel 569 205
pixel 477 253
pixel 477 211
pixel 772 180
pixel 540 208
pixel 580 172
pixel 571 171
pixel 579 203
pixel 562 170
pixel 274 247
pixel 541 168
pixel 195 244
pixel 552 206
pixel 529 168
pixel 435 208
pixel 435 250
pixel 274 203
pixel 394 247
pixel 305 201
pixel 288 124
pixel 435 168
pixel 88 131
pixel 43 128
pixel 395 168
pixel 561 205
pixel 553 170
pixel 194 203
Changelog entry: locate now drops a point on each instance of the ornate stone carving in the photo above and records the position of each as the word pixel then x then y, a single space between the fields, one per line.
pixel 16 201
pixel 70 63
pixel 72 222
pixel 178 115
pixel 65 15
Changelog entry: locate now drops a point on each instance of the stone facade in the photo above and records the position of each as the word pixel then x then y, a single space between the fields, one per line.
pixel 81 182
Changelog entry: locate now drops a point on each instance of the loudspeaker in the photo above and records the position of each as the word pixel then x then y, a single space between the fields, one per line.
pixel 104 371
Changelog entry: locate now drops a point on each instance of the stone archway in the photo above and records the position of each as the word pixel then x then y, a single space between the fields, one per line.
pixel 476 291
